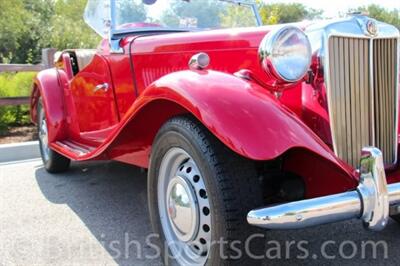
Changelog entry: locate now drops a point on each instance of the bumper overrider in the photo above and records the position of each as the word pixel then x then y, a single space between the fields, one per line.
pixel 371 202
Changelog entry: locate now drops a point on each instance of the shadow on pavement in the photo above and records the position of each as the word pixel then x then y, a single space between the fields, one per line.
pixel 110 199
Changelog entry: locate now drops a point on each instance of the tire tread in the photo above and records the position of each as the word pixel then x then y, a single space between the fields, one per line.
pixel 236 180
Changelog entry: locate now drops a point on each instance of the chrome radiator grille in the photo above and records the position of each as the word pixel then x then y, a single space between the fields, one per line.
pixel 362 92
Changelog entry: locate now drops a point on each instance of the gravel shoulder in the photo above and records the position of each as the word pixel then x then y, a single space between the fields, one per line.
pixel 19 134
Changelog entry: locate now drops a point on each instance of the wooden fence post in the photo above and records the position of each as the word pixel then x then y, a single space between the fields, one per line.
pixel 48 57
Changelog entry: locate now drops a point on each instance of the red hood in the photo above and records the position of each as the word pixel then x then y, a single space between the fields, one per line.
pixel 238 38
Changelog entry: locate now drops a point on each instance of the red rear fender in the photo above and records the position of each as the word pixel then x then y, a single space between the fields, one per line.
pixel 47 85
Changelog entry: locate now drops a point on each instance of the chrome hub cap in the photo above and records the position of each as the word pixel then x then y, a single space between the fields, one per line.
pixel 43 136
pixel 184 208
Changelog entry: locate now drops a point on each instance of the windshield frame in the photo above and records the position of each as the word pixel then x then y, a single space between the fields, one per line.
pixel 114 32
pixel 115 35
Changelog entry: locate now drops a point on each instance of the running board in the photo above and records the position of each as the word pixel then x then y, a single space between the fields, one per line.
pixel 78 149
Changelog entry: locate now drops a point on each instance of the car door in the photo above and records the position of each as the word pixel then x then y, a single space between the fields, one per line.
pixel 93 97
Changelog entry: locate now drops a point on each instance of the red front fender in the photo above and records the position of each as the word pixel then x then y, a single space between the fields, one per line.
pixel 243 115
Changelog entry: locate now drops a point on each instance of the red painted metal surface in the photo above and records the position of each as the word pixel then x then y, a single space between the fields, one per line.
pixel 96 109
pixel 47 85
pixel 151 83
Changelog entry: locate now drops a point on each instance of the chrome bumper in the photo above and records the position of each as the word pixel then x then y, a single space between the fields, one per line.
pixel 370 202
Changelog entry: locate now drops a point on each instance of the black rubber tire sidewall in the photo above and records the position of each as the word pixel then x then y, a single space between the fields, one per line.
pixel 396 218
pixel 56 162
pixel 172 135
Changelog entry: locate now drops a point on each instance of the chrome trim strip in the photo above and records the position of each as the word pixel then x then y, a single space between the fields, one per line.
pixel 371 84
pixel 397 80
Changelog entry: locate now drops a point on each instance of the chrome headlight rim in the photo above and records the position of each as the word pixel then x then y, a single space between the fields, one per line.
pixel 266 56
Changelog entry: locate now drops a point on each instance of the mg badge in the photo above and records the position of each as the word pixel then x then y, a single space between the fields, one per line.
pixel 372 28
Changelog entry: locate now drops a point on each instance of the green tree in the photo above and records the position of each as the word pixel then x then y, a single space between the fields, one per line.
pixel 68 29
pixel 237 16
pixel 286 13
pixel 40 13
pixel 382 14
pixel 27 26
pixel 12 29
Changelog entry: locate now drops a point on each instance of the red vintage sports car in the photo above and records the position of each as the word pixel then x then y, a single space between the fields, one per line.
pixel 240 125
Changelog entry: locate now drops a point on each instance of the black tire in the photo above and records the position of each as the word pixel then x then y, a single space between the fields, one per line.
pixel 396 218
pixel 232 185
pixel 53 162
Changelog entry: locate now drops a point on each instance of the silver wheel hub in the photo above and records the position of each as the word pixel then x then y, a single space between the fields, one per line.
pixel 43 133
pixel 43 136
pixel 184 208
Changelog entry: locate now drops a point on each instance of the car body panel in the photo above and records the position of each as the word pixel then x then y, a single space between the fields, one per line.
pixel 151 83
pixel 275 129
pixel 47 85
pixel 96 109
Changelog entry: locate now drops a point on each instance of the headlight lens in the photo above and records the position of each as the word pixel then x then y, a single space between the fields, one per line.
pixel 286 53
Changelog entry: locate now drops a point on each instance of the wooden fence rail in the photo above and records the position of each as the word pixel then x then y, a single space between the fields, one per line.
pixel 47 62
pixel 20 68
pixel 14 100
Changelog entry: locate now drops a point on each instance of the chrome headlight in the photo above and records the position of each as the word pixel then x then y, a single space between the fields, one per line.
pixel 286 53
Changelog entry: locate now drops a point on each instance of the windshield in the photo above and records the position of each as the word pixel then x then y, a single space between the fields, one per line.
pixel 139 15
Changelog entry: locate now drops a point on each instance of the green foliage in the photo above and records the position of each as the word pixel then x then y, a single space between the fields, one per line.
pixel 238 16
pixel 36 27
pixel 12 28
pixel 68 29
pixel 208 14
pixel 28 26
pixel 286 13
pixel 375 11
pixel 13 116
pixel 13 85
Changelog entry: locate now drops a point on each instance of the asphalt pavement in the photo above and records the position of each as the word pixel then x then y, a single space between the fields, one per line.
pixel 96 214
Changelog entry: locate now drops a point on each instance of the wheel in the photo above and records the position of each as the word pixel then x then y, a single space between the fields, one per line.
pixel 396 218
pixel 52 161
pixel 199 196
